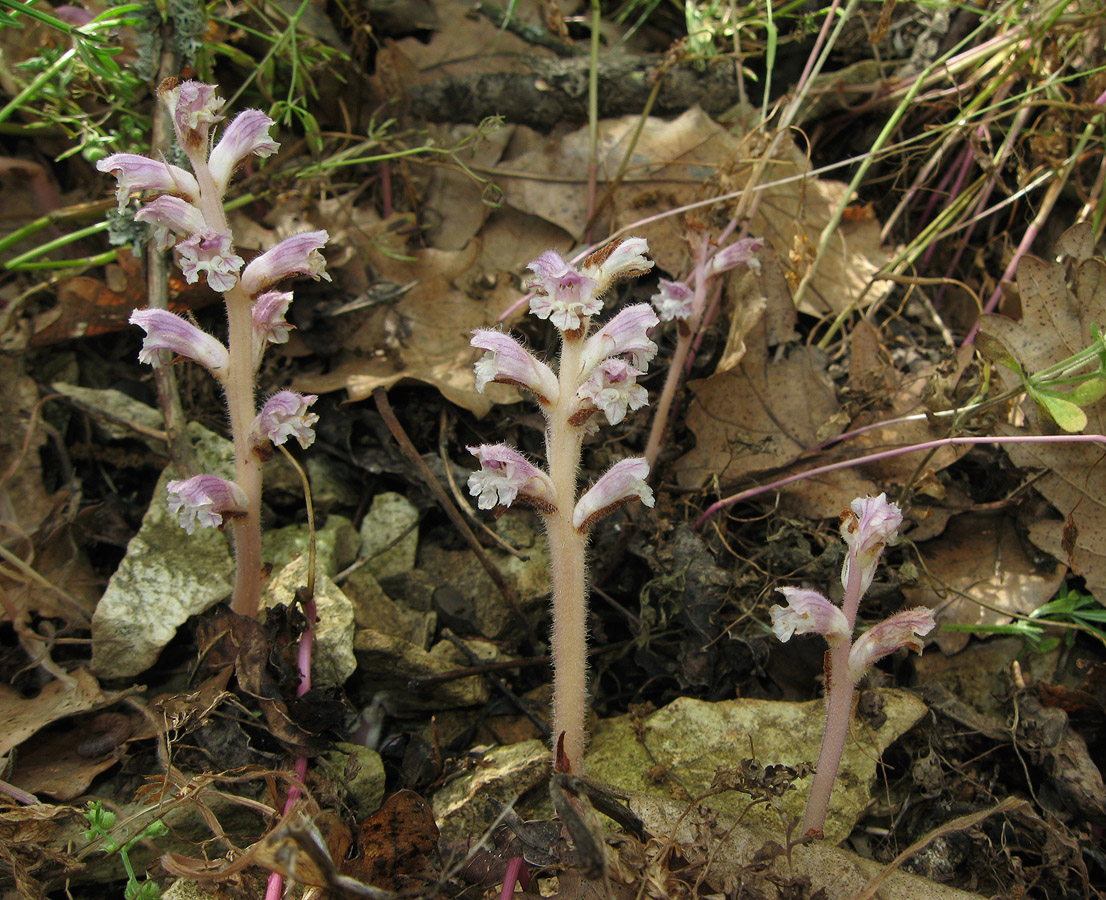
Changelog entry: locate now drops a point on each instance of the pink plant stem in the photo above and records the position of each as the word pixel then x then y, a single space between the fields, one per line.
pixel 676 367
pixel 516 871
pixel 567 550
pixel 961 173
pixel 840 691
pixel 275 886
pixel 887 454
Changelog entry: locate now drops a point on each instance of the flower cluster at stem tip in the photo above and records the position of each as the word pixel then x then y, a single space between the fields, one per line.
pixel 602 378
pixel 868 526
pixel 186 211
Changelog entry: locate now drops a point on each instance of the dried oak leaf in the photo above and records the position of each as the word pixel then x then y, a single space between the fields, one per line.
pixel 1058 321
pixel 397 846
pixel 759 418
pixel 979 560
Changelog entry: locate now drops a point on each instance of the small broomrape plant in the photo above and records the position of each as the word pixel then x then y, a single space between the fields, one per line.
pixel 597 372
pixel 188 213
pixel 869 525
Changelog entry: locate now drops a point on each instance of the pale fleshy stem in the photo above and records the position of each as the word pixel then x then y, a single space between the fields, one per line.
pixel 567 551
pixel 242 408
pixel 840 691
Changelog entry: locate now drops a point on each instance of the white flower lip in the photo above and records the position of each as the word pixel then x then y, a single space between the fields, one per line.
pixel 674 300
pixel 285 415
pixel 808 612
pixel 205 500
pixel 505 474
pixel 612 387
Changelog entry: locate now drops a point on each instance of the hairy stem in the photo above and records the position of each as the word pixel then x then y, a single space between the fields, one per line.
pixel 567 552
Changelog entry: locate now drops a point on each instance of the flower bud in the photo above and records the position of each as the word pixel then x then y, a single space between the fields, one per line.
pixel 869 525
pixel 618 262
pixel 506 474
pixel 508 362
pixel 205 500
pixel 295 255
pixel 621 483
pixel 248 133
pixel 194 108
pixel 739 253
pixel 167 331
pixel 808 612
pixel 269 326
pixel 903 629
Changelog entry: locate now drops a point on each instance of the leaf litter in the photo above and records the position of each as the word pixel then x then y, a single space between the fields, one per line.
pixel 764 405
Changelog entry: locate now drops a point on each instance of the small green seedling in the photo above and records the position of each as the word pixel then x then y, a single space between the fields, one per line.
pixel 100 824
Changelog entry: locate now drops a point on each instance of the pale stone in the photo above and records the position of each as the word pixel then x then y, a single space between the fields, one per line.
pixel 391 523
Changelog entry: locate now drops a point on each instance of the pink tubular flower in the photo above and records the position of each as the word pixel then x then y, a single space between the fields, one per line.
pixel 295 255
pixel 212 253
pixel 167 331
pixel 194 108
pixel 140 173
pixel 624 260
pixel 506 361
pixel 247 134
pixel 505 474
pixel 613 388
pixel 284 415
pixel 563 295
pixel 674 300
pixel 903 629
pixel 268 314
pixel 171 215
pixel 205 500
pixel 869 525
pixel 620 484
pixel 626 334
pixel 739 253
pixel 808 612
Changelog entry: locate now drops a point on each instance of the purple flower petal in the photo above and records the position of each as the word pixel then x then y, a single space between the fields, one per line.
pixel 506 361
pixel 621 483
pixel 140 173
pixel 167 331
pixel 903 629
pixel 247 134
pixel 205 500
pixel 505 474
pixel 295 255
pixel 808 612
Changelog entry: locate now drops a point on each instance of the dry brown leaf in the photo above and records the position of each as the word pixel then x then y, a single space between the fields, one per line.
pixel 1056 323
pixel 23 717
pixel 681 161
pixel 424 336
pixel 761 416
pixel 979 560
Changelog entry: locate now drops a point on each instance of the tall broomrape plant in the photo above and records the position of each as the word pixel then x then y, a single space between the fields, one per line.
pixel 869 525
pixel 597 372
pixel 187 212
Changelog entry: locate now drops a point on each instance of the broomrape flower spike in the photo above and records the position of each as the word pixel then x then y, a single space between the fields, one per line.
pixel 596 372
pixel 186 210
pixel 869 525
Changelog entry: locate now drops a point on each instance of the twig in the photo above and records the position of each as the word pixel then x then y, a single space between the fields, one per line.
pixel 380 397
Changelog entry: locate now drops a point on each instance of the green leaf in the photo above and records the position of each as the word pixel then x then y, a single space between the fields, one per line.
pixel 1060 409
pixel 1087 392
